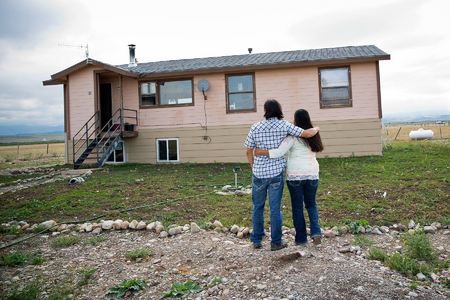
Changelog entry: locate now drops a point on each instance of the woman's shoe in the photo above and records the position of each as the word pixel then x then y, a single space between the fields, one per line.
pixel 317 240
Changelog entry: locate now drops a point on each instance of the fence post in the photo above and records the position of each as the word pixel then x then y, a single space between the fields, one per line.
pixel 47 148
pixel 397 133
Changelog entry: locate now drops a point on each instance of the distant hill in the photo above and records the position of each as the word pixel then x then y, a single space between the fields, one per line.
pixel 29 129
pixel 416 117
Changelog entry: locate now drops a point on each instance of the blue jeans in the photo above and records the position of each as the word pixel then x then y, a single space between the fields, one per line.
pixel 304 191
pixel 260 188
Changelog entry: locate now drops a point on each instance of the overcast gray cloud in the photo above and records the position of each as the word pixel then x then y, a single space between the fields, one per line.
pixel 414 32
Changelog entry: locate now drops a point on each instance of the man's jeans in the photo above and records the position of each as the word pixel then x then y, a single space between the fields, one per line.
pixel 304 191
pixel 260 188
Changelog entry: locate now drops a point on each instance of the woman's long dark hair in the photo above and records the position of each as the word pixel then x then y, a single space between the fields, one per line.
pixel 302 119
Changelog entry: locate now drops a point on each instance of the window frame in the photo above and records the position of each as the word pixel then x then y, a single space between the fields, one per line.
pixel 228 110
pixel 167 140
pixel 350 98
pixel 157 96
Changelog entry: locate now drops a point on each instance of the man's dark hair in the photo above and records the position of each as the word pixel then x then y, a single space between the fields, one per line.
pixel 272 109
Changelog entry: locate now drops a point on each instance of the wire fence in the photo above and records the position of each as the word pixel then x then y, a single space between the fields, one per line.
pixel 31 151
pixel 400 132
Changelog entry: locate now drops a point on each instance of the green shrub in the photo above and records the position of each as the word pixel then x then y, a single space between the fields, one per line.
pixel 362 241
pixel 418 246
pixel 29 292
pixel 139 253
pixel 178 290
pixel 94 241
pixel 65 241
pixel 37 260
pixel 13 259
pixel 126 287
pixel 406 265
pixel 377 254
pixel 86 275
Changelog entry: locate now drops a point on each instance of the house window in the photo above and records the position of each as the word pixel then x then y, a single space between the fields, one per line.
pixel 166 93
pixel 335 87
pixel 167 150
pixel 240 93
pixel 117 156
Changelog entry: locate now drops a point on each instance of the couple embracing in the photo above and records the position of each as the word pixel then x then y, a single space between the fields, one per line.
pixel 266 143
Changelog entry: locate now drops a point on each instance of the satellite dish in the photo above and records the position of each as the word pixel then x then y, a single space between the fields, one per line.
pixel 202 85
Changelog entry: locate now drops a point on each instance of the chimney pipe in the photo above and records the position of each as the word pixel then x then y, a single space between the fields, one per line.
pixel 132 48
pixel 250 50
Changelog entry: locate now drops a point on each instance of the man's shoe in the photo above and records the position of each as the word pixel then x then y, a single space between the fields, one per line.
pixel 280 246
pixel 317 240
pixel 257 246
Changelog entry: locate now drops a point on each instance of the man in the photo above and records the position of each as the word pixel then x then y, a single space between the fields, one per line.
pixel 268 173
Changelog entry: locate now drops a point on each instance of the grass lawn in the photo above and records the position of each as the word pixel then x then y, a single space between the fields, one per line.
pixel 415 177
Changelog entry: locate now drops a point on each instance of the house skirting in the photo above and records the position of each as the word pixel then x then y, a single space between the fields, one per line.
pixel 358 137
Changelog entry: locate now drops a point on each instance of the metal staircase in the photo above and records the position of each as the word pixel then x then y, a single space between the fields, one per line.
pixel 95 142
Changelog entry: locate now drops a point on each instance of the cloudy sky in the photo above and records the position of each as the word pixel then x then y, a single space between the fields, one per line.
pixel 414 32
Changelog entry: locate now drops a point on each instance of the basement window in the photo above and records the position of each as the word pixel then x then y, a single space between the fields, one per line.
pixel 335 87
pixel 166 93
pixel 167 150
pixel 241 93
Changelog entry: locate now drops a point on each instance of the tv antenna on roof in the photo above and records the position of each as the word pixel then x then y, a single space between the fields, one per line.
pixel 85 47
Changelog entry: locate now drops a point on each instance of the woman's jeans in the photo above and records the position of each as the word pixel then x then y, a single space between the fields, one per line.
pixel 260 188
pixel 304 191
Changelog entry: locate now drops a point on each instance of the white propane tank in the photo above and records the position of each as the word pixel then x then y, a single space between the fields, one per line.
pixel 421 134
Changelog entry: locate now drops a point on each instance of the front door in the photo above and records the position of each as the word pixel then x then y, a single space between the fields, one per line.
pixel 105 103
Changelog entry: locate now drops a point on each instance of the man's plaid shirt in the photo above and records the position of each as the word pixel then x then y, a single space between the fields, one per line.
pixel 267 135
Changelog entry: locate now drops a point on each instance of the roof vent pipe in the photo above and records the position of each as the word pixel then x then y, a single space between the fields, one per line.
pixel 132 48
pixel 250 50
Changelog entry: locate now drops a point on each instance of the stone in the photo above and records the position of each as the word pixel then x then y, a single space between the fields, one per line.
pixel 56 233
pixel 329 233
pixel 88 227
pixel 186 227
pixel 261 286
pixel 194 227
pixel 217 224
pixel 226 188
pixel 384 229
pixel 437 225
pixel 163 234
pixel 107 225
pixel 133 224
pixel 346 249
pixel 117 224
pixel 429 229
pixel 47 224
pixel 411 224
pixel 25 227
pixel 361 229
pixel 234 229
pixel 343 229
pixel 62 227
pixel 421 277
pixel 446 232
pixel 413 294
pixel 434 277
pixel 97 230
pixel 175 230
pixel 141 225
pixel 240 235
pixel 376 231
pixel 401 227
pixel 151 226
pixel 159 228
pixel 245 231
pixel 124 225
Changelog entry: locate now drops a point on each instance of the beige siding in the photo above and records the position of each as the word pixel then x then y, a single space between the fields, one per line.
pixel 341 138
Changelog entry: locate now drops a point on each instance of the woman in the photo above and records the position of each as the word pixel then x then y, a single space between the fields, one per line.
pixel 302 176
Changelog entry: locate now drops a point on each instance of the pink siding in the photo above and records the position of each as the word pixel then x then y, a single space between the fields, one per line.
pixel 81 98
pixel 294 88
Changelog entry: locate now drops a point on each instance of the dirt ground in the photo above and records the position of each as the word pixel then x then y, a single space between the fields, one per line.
pixel 321 273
